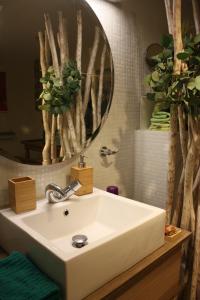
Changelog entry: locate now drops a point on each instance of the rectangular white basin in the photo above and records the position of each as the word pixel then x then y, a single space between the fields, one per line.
pixel 120 233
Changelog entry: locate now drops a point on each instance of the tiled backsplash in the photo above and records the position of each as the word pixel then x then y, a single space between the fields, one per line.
pixel 128 32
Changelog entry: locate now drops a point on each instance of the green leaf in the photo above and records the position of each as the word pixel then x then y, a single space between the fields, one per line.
pixel 174 84
pixel 191 85
pixel 197 58
pixel 41 95
pixel 152 84
pixel 197 39
pixel 151 96
pixel 57 82
pixel 161 66
pixel 47 97
pixel 42 80
pixel 183 55
pixel 155 76
pixel 46 107
pixel 166 41
pixel 197 83
pixel 189 51
pixel 167 53
pixel 50 69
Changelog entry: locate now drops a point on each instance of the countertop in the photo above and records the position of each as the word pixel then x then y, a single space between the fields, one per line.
pixel 170 245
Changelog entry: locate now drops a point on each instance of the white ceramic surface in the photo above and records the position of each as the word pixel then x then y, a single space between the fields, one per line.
pixel 120 233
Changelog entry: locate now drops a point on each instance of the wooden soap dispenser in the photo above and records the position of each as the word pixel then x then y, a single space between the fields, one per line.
pixel 84 174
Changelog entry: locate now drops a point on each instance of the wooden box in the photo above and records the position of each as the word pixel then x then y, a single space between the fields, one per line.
pixel 85 176
pixel 22 194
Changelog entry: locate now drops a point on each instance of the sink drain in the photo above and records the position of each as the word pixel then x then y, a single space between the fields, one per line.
pixel 79 241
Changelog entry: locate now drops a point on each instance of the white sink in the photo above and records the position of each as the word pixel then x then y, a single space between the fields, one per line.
pixel 120 233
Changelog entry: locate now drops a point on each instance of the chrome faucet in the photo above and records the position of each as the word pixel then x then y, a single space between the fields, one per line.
pixel 55 194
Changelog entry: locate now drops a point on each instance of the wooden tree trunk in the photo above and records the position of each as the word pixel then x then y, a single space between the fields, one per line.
pixel 52 45
pixel 177 33
pixel 196 261
pixel 178 47
pixel 63 37
pixel 172 162
pixel 68 153
pixel 47 51
pixel 80 122
pixel 53 142
pixel 90 69
pixel 169 14
pixel 101 78
pixel 183 133
pixel 195 6
pixel 187 207
pixel 72 132
pixel 188 221
pixel 45 115
pixel 94 104
pixel 60 130
pixel 176 219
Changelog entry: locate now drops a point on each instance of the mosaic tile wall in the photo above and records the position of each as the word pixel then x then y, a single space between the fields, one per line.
pixel 127 29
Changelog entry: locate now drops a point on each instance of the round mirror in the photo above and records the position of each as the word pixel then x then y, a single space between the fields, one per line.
pixel 56 79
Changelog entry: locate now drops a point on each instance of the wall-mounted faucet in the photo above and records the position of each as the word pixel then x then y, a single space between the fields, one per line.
pixel 55 194
pixel 104 151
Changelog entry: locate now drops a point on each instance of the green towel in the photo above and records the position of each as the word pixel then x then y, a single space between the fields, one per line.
pixel 161 113
pixel 153 120
pixel 20 279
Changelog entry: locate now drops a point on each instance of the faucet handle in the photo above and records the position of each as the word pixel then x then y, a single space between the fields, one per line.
pixel 73 186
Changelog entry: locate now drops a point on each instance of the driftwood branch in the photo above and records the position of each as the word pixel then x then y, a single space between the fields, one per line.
pixel 90 69
pixel 53 140
pixel 177 33
pixel 169 15
pixel 52 45
pixel 100 91
pixel 45 114
pixel 80 122
pixel 60 130
pixel 63 37
pixel 94 104
pixel 196 14
pixel 172 162
pixel 182 131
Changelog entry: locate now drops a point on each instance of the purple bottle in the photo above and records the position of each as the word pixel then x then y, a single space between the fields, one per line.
pixel 112 189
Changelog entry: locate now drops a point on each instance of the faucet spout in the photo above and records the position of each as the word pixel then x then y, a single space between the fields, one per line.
pixel 55 194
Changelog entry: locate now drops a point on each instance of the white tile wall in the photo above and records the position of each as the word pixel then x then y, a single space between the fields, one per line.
pixel 150 166
pixel 129 28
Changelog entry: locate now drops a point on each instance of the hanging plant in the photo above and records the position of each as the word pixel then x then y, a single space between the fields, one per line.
pixel 59 94
pixel 169 88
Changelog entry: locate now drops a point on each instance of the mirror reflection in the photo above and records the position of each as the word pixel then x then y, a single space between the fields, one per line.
pixel 56 79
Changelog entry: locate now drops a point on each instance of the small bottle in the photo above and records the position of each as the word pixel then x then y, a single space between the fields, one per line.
pixel 84 174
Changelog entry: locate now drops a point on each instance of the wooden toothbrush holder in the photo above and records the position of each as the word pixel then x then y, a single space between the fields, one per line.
pixel 22 194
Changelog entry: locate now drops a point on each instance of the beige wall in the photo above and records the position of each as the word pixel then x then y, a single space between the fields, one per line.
pixel 130 28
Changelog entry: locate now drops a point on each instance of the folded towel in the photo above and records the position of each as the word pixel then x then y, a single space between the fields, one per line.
pixel 20 279
pixel 166 120
pixel 161 113
pixel 155 116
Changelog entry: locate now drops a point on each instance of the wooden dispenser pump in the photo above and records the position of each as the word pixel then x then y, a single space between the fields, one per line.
pixel 22 195
pixel 85 175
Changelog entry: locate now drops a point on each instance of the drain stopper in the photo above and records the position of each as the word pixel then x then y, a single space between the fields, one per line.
pixel 80 240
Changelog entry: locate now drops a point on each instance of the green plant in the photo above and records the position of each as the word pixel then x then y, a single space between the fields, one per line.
pixel 168 88
pixel 58 93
